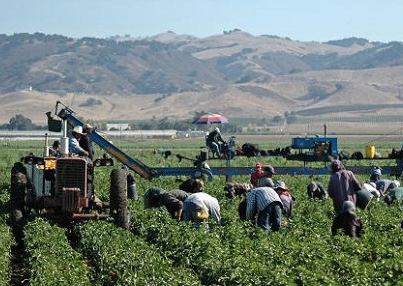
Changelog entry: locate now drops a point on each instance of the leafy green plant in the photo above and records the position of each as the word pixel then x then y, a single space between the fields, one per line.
pixel 6 242
pixel 119 258
pixel 51 259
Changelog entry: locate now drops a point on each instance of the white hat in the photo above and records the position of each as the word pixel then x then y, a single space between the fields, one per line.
pixel 78 129
pixel 217 129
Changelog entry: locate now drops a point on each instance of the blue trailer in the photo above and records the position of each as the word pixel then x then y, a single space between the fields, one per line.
pixel 312 149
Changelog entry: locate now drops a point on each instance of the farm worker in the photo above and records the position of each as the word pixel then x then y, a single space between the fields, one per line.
pixel 286 198
pixel 74 139
pixel 54 151
pixel 266 179
pixel 214 142
pixel 172 200
pixel 384 185
pixel 265 203
pixel 371 187
pixel 233 189
pixel 192 186
pixel 343 186
pixel 86 142
pixel 348 221
pixel 394 194
pixel 199 207
pixel 316 190
pixel 376 173
pixel 254 177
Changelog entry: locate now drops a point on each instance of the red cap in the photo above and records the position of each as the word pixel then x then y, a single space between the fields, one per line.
pixel 259 165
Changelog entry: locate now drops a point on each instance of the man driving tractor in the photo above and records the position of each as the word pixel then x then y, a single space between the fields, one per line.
pixel 215 142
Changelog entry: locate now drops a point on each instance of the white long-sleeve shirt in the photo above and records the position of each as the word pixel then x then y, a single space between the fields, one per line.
pixel 207 202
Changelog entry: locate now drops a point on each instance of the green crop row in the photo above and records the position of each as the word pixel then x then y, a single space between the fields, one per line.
pixel 51 259
pixel 6 237
pixel 5 246
pixel 119 258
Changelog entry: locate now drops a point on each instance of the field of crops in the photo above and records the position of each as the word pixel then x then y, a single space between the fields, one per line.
pixel 158 250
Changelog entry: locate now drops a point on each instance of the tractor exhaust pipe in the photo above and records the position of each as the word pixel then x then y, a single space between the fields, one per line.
pixel 64 140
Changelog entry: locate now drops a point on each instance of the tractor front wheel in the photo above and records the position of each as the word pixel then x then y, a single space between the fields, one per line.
pixel 118 198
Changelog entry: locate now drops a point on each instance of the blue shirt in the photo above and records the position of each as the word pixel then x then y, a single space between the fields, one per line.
pixel 74 146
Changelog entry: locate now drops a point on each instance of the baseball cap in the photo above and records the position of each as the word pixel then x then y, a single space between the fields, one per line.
pixel 259 165
pixel 269 169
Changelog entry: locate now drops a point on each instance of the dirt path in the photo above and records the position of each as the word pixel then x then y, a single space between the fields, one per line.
pixel 19 272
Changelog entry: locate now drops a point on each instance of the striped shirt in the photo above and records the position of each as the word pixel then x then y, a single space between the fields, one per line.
pixel 258 199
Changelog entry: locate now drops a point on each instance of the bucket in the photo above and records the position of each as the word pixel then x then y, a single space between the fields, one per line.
pixel 132 192
pixel 232 143
pixel 203 154
pixel 363 198
pixel 370 152
pixel 54 125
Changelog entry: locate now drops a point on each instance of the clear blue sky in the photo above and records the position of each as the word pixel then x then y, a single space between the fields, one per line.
pixel 309 20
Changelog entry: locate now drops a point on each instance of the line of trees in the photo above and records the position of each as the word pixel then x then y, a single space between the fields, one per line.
pixel 20 122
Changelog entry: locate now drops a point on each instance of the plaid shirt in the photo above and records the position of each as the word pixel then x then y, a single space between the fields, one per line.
pixel 258 199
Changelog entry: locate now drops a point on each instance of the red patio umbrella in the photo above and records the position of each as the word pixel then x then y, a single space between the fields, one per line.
pixel 210 118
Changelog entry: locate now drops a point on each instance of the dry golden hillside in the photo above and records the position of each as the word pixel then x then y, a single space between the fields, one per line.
pixel 176 76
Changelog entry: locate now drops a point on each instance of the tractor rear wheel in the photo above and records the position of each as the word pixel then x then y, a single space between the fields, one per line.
pixel 118 198
pixel 19 184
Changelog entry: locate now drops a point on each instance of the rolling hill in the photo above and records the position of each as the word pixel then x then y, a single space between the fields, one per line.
pixel 174 76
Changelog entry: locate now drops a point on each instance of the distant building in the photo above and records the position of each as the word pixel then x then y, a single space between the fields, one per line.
pixel 117 126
